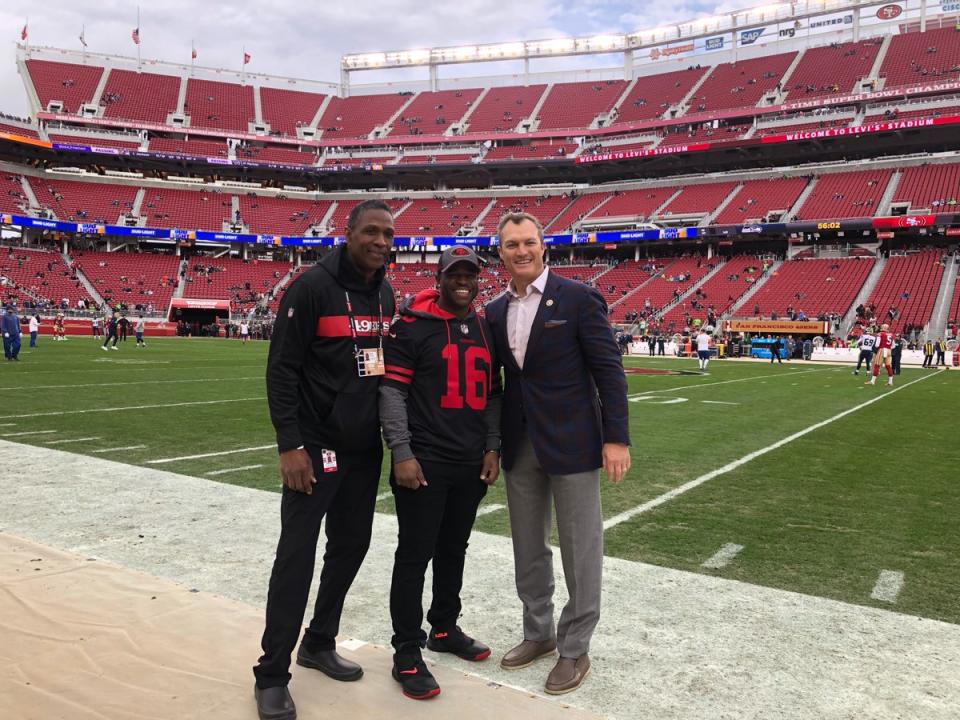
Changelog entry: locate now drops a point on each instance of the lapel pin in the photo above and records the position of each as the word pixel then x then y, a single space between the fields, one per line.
pixel 549 303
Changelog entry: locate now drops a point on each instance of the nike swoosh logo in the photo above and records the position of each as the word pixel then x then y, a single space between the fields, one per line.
pixel 409 672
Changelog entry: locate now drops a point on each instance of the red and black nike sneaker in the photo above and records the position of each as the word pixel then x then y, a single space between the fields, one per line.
pixel 459 643
pixel 416 680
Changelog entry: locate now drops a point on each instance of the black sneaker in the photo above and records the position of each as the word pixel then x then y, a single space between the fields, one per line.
pixel 457 642
pixel 416 680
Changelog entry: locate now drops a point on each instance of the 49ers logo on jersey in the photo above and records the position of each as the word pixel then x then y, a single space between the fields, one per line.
pixel 335 326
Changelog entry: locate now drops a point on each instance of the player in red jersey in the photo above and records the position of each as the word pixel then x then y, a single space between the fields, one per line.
pixel 883 355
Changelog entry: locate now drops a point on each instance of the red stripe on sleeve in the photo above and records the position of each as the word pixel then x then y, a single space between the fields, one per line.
pixel 399 369
pixel 398 378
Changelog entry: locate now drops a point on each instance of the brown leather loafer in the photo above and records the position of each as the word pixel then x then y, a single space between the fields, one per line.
pixel 526 653
pixel 567 675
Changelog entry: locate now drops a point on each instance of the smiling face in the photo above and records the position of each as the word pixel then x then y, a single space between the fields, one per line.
pixel 370 240
pixel 522 250
pixel 458 288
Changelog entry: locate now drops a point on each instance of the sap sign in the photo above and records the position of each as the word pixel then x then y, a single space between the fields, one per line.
pixel 714 43
pixel 748 37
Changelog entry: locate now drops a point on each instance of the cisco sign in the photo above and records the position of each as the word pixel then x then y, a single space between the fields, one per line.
pixel 748 37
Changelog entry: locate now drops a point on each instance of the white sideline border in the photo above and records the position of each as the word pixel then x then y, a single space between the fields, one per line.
pixel 164 461
pixel 58 413
pixel 790 373
pixel 697 482
pixel 127 383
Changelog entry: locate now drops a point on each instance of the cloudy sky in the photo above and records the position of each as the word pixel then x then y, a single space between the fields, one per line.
pixel 298 39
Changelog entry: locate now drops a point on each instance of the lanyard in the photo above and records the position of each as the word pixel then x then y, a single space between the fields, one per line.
pixel 353 326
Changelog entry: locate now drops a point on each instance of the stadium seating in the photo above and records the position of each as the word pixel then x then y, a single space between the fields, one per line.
pixel 756 198
pixel 575 105
pixel 580 208
pixel 411 278
pixel 338 220
pixel 953 316
pixel 18 130
pixel 269 215
pixel 438 217
pixel 601 147
pixel 544 207
pixel 653 95
pixel 84 202
pixel 706 133
pixel 639 204
pixel 356 116
pixel 95 140
pixel 200 148
pixel 536 150
pixel 800 127
pixel 845 195
pixel 42 275
pixel 131 278
pixel 12 197
pixel 679 276
pixel 502 108
pixel 916 58
pixel 71 84
pixel 719 292
pixel 897 114
pixel 274 302
pixel 286 155
pixel 219 104
pixel 243 282
pixel 814 286
pixel 186 209
pixel 627 276
pixel 832 69
pixel 933 187
pixel 695 199
pixel 581 273
pixel 740 84
pixel 145 97
pixel 909 284
pixel 435 159
pixel 286 110
pixel 431 113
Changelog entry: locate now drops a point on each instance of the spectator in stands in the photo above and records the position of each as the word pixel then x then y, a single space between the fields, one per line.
pixel 572 348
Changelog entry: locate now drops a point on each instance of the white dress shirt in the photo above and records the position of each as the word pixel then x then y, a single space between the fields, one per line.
pixel 521 310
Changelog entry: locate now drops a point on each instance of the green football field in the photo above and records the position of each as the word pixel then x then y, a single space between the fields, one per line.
pixel 808 480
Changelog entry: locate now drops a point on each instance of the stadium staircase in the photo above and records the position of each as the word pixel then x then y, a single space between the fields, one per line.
pixel 721 263
pixel 315 121
pixel 533 119
pixel 861 299
pixel 598 280
pixel 684 103
pixel 878 61
pixel 181 287
pixel 182 96
pixel 745 298
pixel 937 326
pixel 785 78
pixel 458 127
pixel 28 191
pixel 91 290
pixel 387 127
pixel 883 207
pixel 711 216
pixel 137 204
pixel 801 200
pixel 257 105
pixel 100 89
pixel 609 118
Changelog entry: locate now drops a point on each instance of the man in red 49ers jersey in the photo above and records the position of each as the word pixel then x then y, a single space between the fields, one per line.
pixel 883 355
pixel 440 412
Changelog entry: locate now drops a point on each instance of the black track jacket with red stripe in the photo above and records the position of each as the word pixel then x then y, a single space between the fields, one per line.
pixel 315 394
pixel 440 397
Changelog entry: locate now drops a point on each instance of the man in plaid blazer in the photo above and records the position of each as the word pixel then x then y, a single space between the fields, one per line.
pixel 564 416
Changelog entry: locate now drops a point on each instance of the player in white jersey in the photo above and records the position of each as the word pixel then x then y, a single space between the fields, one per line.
pixel 244 331
pixel 883 355
pixel 703 349
pixel 866 343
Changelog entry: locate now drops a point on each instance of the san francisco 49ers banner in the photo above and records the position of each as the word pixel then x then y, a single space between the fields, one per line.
pixel 779 327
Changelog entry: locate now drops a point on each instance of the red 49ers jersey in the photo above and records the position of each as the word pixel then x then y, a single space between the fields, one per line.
pixel 884 341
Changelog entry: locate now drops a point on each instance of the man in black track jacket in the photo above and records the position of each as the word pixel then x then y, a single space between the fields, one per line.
pixel 440 411
pixel 323 374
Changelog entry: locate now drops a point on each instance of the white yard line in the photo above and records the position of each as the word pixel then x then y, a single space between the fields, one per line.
pixel 697 482
pixel 130 382
pixel 131 407
pixel 162 461
pixel 384 496
pixel 491 508
pixel 29 432
pixel 728 382
pixel 7 424
pixel 718 402
pixel 232 470
pixel 118 449
pixel 888 587
pixel 70 440
pixel 723 556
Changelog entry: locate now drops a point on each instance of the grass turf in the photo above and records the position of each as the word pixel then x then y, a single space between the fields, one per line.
pixel 821 515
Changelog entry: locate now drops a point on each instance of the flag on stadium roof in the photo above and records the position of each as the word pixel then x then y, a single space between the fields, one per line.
pixel 83 36
pixel 193 53
pixel 246 58
pixel 136 36
pixel 23 33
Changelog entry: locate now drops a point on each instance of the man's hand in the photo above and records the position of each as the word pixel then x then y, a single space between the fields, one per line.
pixel 296 469
pixel 491 467
pixel 616 461
pixel 409 474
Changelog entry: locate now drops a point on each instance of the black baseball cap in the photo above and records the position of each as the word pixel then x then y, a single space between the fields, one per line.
pixel 458 254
